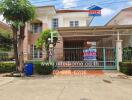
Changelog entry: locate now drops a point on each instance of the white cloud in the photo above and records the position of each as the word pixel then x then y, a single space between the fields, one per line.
pixel 130 3
pixel 85 8
pixel 69 3
pixel 107 12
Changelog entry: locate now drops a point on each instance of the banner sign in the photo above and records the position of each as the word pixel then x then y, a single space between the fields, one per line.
pixel 76 63
pixel 94 10
pixel 90 54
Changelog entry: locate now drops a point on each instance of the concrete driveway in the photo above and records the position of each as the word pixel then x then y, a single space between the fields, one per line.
pixel 103 87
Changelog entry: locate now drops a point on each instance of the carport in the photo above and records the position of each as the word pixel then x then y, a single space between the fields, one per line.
pixel 97 47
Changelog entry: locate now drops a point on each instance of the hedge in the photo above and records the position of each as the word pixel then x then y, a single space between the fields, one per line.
pixel 127 54
pixel 42 68
pixel 126 67
pixel 6 67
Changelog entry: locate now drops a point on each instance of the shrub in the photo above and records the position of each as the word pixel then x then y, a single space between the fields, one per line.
pixel 7 67
pixel 43 68
pixel 126 68
pixel 127 54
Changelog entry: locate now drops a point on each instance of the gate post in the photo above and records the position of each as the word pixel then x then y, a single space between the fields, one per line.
pixel 118 51
pixel 104 57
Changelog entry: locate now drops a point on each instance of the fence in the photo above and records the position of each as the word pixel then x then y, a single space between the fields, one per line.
pixel 88 58
pixel 81 58
pixel 6 56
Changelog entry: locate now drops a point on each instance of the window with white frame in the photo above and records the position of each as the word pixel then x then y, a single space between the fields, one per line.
pixel 74 23
pixel 36 27
pixel 35 53
pixel 55 23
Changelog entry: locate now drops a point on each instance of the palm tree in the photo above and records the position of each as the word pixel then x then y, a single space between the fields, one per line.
pixel 17 13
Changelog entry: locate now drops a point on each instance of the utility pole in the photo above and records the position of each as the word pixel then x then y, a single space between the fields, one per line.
pixel 52 37
pixel 51 51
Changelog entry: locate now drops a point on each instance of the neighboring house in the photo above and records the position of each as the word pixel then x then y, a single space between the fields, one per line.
pixel 4 27
pixel 5 32
pixel 5 41
pixel 50 18
pixel 124 17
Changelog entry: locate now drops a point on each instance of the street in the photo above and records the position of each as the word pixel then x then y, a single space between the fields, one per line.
pixel 104 87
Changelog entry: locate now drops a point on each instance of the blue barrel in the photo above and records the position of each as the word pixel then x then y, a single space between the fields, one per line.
pixel 28 70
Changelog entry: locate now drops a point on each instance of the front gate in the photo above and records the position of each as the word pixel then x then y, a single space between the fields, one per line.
pixel 88 58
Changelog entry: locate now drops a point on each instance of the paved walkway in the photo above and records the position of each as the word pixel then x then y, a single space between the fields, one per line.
pixel 103 87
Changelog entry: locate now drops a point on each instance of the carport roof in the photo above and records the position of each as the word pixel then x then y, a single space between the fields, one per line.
pixel 95 30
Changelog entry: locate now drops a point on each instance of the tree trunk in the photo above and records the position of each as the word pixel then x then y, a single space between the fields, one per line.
pixel 47 54
pixel 21 56
pixel 14 29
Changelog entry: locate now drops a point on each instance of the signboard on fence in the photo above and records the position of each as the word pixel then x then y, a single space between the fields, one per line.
pixel 90 52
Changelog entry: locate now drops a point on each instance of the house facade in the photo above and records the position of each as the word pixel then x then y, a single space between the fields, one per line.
pixel 50 18
pixel 124 17
pixel 79 45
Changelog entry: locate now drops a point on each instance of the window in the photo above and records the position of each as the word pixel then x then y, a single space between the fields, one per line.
pixel 36 27
pixel 35 53
pixel 55 23
pixel 71 23
pixel 74 23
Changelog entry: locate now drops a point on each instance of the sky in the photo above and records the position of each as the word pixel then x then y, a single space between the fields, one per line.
pixel 110 7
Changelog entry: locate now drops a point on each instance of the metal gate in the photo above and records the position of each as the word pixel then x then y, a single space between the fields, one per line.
pixel 88 58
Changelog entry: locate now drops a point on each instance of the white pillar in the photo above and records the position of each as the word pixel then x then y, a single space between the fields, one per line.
pixel 119 52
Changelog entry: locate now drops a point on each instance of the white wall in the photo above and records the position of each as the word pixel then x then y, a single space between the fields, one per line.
pixel 65 18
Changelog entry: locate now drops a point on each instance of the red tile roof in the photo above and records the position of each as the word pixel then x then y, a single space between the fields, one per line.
pixel 126 9
pixel 69 11
pixel 4 26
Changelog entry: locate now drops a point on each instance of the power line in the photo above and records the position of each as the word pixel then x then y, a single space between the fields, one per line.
pixel 43 1
pixel 55 3
pixel 99 3
pixel 66 2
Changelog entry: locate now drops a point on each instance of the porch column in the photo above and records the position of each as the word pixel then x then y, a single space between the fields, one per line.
pixel 118 51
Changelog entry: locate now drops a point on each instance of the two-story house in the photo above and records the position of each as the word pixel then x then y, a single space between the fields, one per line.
pixel 124 17
pixel 50 18
pixel 79 44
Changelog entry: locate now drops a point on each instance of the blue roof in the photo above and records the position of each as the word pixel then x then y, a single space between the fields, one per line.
pixel 94 7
